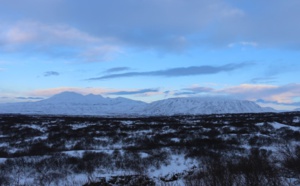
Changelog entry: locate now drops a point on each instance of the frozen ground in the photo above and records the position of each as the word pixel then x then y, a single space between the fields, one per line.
pixel 65 150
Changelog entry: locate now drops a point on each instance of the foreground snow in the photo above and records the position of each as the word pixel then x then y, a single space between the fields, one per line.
pixel 68 150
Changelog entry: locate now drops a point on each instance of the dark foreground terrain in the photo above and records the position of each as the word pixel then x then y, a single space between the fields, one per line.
pixel 226 149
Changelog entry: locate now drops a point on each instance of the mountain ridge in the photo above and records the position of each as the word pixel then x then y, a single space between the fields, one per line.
pixel 201 105
pixel 71 103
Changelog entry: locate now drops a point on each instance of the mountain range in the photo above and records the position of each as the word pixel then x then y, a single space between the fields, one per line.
pixel 70 103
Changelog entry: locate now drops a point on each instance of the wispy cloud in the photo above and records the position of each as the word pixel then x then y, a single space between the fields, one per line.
pixel 195 90
pixel 263 80
pixel 177 72
pixel 285 94
pixel 198 89
pixel 116 69
pixel 244 44
pixel 51 73
pixel 87 90
pixel 167 25
pixel 91 90
pixel 281 67
pixel 182 93
pixel 50 38
pixel 101 53
pixel 26 32
pixel 158 25
pixel 141 91
pixel 297 104
pixel 29 98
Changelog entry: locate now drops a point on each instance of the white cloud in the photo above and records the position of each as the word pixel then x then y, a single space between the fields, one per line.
pixel 162 25
pixel 281 94
pixel 25 34
pixel 91 90
pixel 152 24
pixel 101 53
pixel 244 43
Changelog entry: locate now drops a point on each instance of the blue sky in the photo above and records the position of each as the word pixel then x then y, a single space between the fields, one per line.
pixel 151 50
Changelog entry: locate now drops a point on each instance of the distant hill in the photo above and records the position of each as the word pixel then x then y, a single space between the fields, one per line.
pixel 70 103
pixel 203 105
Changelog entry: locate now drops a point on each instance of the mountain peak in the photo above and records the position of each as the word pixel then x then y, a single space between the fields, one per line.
pixel 64 96
pixel 202 105
pixel 67 93
pixel 72 103
pixel 204 98
pixel 73 97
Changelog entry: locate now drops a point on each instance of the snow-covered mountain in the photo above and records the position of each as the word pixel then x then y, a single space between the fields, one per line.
pixel 201 105
pixel 70 103
pixel 297 109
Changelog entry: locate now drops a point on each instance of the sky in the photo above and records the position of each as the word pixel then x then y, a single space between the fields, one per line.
pixel 150 50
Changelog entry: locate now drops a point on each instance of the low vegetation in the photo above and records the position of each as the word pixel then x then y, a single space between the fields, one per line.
pixel 224 149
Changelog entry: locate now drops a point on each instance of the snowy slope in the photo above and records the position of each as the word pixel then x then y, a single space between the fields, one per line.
pixel 203 105
pixel 70 103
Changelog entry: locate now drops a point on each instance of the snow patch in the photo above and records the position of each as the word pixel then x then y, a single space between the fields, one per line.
pixel 277 125
pixel 296 120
